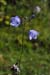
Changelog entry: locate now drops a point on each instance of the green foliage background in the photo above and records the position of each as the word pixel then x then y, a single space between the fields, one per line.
pixel 13 48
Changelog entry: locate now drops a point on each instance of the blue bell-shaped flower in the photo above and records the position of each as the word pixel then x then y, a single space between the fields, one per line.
pixel 33 34
pixel 15 21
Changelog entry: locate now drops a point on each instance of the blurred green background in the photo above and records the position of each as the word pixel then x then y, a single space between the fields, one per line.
pixel 14 43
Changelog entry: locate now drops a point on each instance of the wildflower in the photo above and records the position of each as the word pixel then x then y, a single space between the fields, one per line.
pixel 33 34
pixel 32 16
pixel 37 9
pixel 15 69
pixel 15 21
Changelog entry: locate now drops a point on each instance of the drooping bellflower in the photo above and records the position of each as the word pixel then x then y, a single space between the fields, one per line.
pixel 33 34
